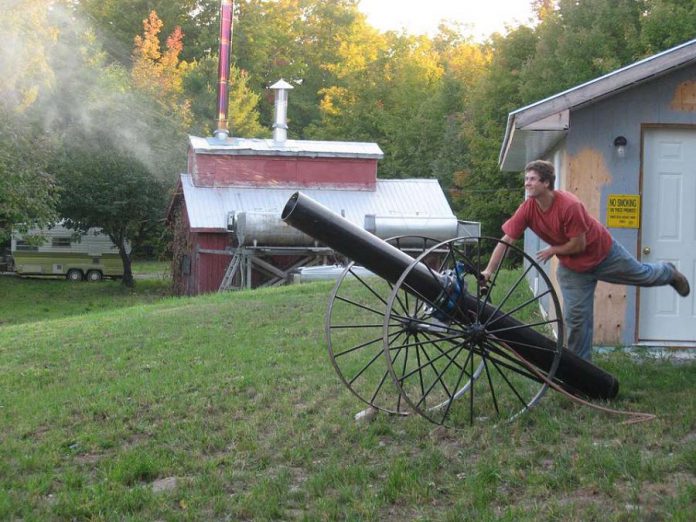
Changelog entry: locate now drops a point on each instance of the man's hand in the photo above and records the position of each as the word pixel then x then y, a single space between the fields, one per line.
pixel 496 257
pixel 544 255
pixel 575 245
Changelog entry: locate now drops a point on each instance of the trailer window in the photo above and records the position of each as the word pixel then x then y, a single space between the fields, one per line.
pixel 61 242
pixel 23 245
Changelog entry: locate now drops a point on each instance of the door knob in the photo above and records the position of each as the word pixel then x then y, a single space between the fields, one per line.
pixel 646 250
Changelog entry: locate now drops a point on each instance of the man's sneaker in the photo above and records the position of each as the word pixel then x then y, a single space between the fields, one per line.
pixel 679 282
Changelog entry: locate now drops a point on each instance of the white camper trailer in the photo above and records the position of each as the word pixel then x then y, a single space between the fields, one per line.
pixel 60 251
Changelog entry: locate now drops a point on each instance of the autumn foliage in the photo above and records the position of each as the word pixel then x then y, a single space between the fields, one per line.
pixel 160 71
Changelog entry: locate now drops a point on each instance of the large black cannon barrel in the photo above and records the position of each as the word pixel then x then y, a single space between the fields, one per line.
pixel 574 373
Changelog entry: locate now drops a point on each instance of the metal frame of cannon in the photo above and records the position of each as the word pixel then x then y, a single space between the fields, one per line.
pixel 427 335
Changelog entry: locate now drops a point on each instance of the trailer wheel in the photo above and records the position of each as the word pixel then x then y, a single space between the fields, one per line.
pixel 94 275
pixel 74 274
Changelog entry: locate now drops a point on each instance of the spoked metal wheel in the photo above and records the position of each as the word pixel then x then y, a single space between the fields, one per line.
pixel 511 328
pixel 354 321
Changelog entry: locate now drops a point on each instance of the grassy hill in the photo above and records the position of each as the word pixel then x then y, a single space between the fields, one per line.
pixel 226 407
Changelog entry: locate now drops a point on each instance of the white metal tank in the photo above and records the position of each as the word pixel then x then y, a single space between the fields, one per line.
pixel 437 228
pixel 265 228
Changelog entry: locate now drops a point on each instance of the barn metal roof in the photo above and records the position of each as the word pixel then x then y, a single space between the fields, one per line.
pixel 208 207
pixel 268 147
pixel 533 129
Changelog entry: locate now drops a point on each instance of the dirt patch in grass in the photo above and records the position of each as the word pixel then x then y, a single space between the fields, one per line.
pixel 690 437
pixel 582 496
pixel 652 494
pixel 164 484
pixel 88 458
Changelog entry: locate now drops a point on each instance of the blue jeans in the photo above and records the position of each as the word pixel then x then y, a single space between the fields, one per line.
pixel 578 289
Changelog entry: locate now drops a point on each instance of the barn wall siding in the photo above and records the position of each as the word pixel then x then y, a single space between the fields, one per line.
pixel 183 280
pixel 593 170
pixel 213 170
pixel 210 268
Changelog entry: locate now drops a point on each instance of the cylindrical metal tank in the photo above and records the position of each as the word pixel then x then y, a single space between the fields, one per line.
pixel 266 229
pixel 328 272
pixel 438 228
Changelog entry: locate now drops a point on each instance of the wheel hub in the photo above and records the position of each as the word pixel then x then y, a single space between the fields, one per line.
pixel 477 333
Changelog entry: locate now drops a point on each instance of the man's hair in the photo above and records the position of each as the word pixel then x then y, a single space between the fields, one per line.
pixel 545 171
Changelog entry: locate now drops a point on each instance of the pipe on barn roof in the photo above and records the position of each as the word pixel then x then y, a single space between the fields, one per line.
pixel 280 127
pixel 226 9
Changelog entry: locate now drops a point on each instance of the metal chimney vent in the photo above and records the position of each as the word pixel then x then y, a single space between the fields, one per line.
pixel 280 127
pixel 226 10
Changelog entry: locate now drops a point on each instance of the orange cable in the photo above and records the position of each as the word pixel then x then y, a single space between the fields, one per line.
pixel 636 416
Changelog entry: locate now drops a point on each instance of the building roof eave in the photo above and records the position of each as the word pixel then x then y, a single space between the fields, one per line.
pixel 524 144
pixel 531 118
pixel 176 196
pixel 528 145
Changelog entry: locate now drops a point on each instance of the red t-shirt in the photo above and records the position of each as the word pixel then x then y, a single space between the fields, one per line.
pixel 566 218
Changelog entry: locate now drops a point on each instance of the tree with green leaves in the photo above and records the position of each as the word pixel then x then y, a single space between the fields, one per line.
pixel 105 186
pixel 580 41
pixel 387 89
pixel 480 192
pixel 465 63
pixel 120 147
pixel 118 21
pixel 200 85
pixel 667 23
pixel 298 40
pixel 28 193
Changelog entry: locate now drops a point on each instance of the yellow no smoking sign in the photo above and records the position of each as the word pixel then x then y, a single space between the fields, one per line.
pixel 623 211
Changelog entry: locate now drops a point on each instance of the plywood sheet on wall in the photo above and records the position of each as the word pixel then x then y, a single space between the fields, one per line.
pixel 586 174
pixel 684 99
pixel 610 310
pixel 554 282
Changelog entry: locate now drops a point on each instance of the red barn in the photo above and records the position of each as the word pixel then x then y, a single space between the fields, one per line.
pixel 226 212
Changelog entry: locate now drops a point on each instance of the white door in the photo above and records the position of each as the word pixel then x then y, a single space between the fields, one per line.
pixel 668 224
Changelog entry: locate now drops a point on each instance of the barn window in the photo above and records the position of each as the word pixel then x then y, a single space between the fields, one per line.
pixel 185 265
pixel 61 242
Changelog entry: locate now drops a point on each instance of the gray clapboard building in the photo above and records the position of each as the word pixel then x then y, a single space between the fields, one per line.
pixel 625 143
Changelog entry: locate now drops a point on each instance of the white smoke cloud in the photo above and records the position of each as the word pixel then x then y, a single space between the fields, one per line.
pixel 53 69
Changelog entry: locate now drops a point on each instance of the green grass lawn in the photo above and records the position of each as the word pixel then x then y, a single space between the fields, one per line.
pixel 160 269
pixel 226 407
pixel 24 300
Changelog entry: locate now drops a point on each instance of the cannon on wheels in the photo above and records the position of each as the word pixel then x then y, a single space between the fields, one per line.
pixel 427 335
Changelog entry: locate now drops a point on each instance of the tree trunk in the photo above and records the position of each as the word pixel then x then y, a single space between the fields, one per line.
pixel 127 279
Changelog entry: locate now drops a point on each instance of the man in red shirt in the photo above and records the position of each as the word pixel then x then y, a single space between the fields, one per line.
pixel 585 249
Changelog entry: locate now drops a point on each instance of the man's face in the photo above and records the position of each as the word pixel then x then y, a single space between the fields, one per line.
pixel 533 186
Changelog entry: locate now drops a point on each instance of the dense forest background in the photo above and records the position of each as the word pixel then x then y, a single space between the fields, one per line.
pixel 97 97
